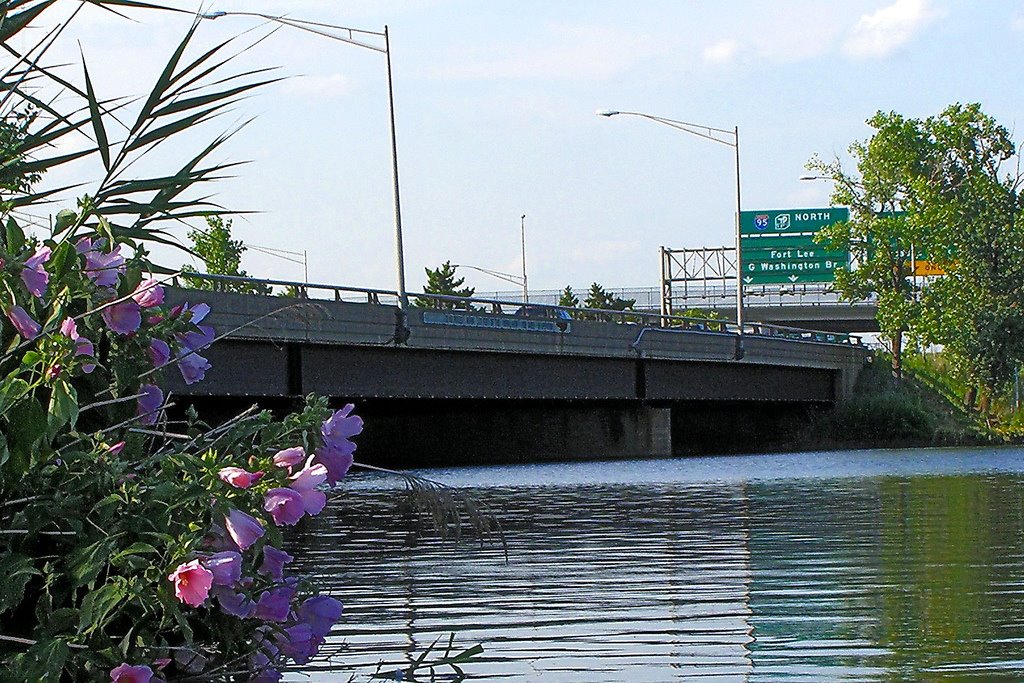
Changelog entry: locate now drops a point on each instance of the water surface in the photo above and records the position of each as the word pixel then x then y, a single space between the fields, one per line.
pixel 861 566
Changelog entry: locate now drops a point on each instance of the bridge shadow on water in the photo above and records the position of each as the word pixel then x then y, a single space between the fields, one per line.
pixel 402 433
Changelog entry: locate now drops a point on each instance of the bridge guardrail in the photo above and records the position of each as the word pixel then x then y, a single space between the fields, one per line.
pixel 646 319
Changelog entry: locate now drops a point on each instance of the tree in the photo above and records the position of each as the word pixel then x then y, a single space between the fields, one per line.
pixel 599 298
pixel 973 207
pixel 880 234
pixel 442 281
pixel 568 298
pixel 940 187
pixel 221 256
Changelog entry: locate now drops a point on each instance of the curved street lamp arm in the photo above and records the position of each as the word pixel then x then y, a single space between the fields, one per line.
pixel 507 277
pixel 689 128
pixel 308 26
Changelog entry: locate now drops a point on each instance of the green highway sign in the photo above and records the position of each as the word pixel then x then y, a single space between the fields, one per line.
pixel 774 221
pixel 778 247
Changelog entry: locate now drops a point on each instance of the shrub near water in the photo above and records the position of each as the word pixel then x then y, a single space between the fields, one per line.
pixel 135 549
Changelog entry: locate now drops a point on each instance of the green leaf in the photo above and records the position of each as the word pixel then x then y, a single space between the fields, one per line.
pixel 63 407
pixel 26 426
pixel 134 549
pixel 10 25
pixel 15 236
pixel 98 604
pixel 65 219
pixel 11 391
pixel 85 564
pixel 17 570
pixel 97 118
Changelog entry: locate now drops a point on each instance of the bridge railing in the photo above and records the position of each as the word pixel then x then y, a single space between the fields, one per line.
pixel 554 312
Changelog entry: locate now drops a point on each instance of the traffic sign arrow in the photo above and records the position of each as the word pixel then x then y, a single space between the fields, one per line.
pixel 748 279
pixel 794 278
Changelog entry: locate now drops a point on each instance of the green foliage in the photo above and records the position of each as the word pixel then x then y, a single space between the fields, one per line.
pixel 946 187
pixel 568 298
pixel 221 255
pixel 599 298
pixel 442 280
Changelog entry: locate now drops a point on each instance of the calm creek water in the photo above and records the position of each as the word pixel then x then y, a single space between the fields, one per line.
pixel 861 566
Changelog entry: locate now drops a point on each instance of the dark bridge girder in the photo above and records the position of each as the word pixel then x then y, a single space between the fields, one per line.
pixel 251 368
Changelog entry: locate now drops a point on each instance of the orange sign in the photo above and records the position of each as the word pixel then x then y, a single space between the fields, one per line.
pixel 926 268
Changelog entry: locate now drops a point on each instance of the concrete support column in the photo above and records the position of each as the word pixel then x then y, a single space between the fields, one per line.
pixel 656 427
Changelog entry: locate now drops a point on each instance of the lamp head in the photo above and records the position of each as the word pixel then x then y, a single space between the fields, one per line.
pixel 812 177
pixel 606 112
pixel 213 15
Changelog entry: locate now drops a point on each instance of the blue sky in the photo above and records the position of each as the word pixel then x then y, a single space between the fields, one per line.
pixel 495 110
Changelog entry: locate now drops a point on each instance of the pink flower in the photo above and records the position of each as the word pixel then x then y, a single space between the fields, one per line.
pixel 148 407
pixel 239 478
pixel 27 327
pixel 226 567
pixel 122 318
pixel 290 456
pixel 159 352
pixel 149 293
pixel 243 529
pixel 192 582
pixel 83 347
pixel 284 505
pixel 131 674
pixel 34 277
pixel 116 448
pixel 305 483
pixel 193 367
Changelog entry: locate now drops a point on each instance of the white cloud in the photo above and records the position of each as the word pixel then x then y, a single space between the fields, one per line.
pixel 721 52
pixel 1017 22
pixel 325 87
pixel 880 33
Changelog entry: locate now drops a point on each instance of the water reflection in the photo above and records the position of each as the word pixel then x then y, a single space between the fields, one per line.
pixel 905 566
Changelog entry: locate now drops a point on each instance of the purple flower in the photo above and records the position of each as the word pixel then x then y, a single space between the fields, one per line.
pixel 197 341
pixel 266 675
pixel 192 366
pixel 159 352
pixel 149 403
pixel 274 561
pixel 305 483
pixel 101 268
pixel 125 673
pixel 27 327
pixel 243 529
pixel 290 456
pixel 299 643
pixel 341 426
pixel 336 460
pixel 321 612
pixel 284 505
pixel 33 275
pixel 83 347
pixel 149 293
pixel 274 604
pixel 234 603
pixel 123 318
pixel 199 312
pixel 226 567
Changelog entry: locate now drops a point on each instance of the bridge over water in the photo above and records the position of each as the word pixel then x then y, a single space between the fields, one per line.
pixel 466 381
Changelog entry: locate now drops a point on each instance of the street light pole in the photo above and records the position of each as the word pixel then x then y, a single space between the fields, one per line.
pixel 522 227
pixel 350 37
pixel 714 135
